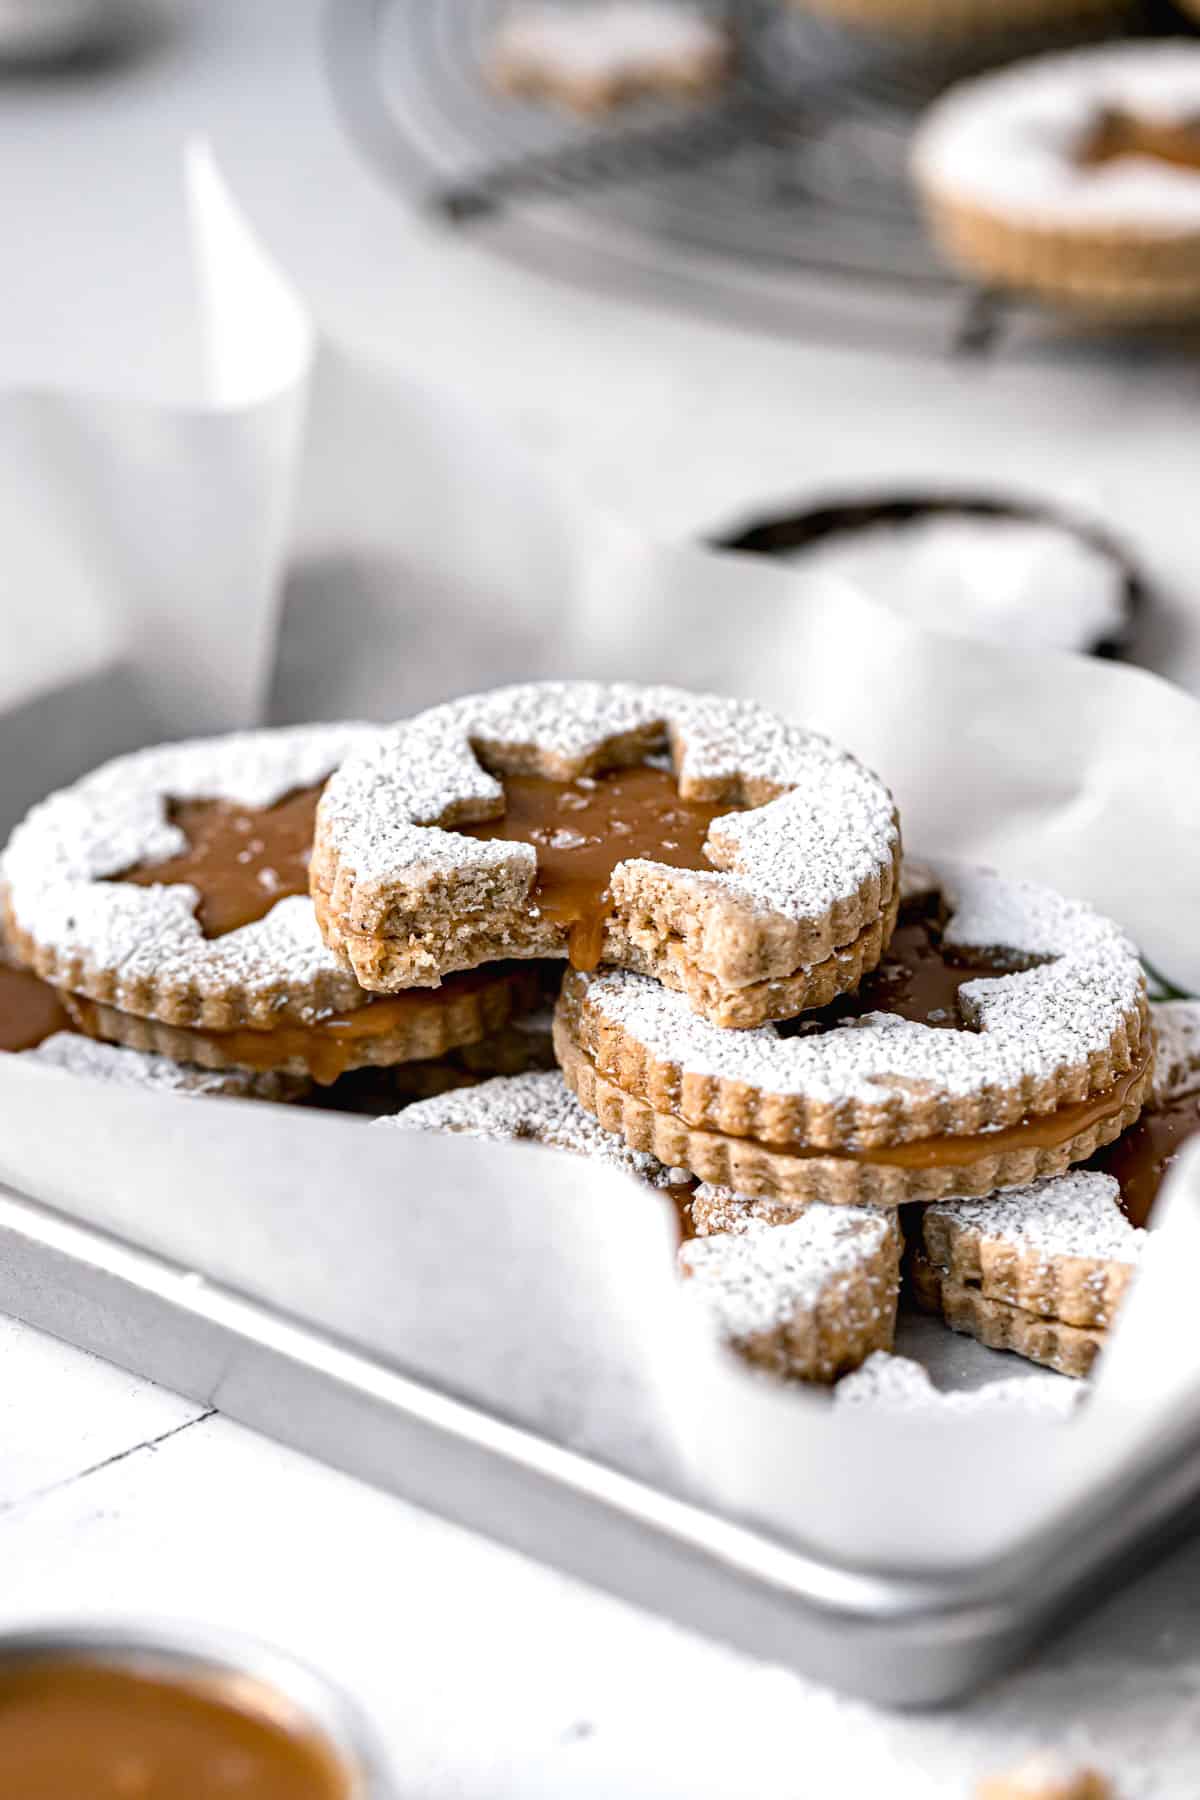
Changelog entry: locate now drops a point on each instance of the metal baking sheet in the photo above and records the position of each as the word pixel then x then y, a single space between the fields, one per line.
pixel 904 1640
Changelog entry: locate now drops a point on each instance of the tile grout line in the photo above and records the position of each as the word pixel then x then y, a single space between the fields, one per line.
pixel 107 1462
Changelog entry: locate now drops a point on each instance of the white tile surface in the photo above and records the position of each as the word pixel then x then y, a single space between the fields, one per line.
pixel 62 1412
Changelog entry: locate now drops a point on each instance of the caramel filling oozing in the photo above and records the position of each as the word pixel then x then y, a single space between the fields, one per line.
pixel 1036 1131
pixel 240 859
pixel 919 979
pixel 30 1010
pixel 330 1046
pixel 71 1728
pixel 582 829
pixel 680 1194
pixel 1141 1156
pixel 1118 134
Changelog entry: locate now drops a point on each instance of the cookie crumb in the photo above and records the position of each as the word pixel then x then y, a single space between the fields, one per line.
pixel 592 58
pixel 1047 1775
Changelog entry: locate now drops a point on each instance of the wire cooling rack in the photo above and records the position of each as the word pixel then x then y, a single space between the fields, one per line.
pixel 784 197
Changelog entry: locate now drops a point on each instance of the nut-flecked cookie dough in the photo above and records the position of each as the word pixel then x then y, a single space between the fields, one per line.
pixel 738 859
pixel 807 1292
pixel 1005 1038
pixel 1041 1270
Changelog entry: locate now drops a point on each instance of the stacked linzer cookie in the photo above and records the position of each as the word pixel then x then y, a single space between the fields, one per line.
pixel 742 1011
pixel 811 1051
pixel 161 907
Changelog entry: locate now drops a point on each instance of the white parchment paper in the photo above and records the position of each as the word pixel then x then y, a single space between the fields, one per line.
pixel 330 541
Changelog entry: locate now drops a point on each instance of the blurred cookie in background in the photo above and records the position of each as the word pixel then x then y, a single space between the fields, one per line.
pixel 591 57
pixel 960 22
pixel 1007 571
pixel 1073 179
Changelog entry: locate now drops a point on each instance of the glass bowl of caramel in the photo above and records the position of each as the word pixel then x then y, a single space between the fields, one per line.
pixel 127 1712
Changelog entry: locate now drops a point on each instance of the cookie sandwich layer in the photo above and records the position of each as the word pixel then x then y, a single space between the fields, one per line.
pixel 1041 1053
pixel 736 858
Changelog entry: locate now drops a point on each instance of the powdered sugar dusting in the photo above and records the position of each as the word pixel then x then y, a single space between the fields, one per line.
pixel 888 1383
pixel 537 1107
pixel 988 911
pixel 77 1055
pixel 1027 1026
pixel 719 1209
pixel 1033 581
pixel 1177 1056
pixel 831 830
pixel 761 1276
pixel 1078 1214
pixel 57 860
pixel 607 41
pixel 1012 139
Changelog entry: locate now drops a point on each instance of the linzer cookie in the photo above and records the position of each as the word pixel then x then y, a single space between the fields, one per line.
pixel 738 859
pixel 1040 1270
pixel 1068 1349
pixel 592 57
pixel 1074 178
pixel 1142 1156
pixel 807 1299
pixel 807 1292
pixel 377 1033
pixel 1005 1037
pixel 1062 1249
pixel 166 897
pixel 954 25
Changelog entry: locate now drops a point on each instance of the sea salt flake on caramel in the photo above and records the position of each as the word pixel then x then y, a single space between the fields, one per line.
pixel 627 813
pixel 240 860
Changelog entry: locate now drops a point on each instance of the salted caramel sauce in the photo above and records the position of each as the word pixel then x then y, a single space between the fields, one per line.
pixel 681 1195
pixel 30 1010
pixel 240 859
pixel 1036 1131
pixel 1118 134
pixel 582 829
pixel 74 1729
pixel 919 978
pixel 331 1046
pixel 1140 1157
